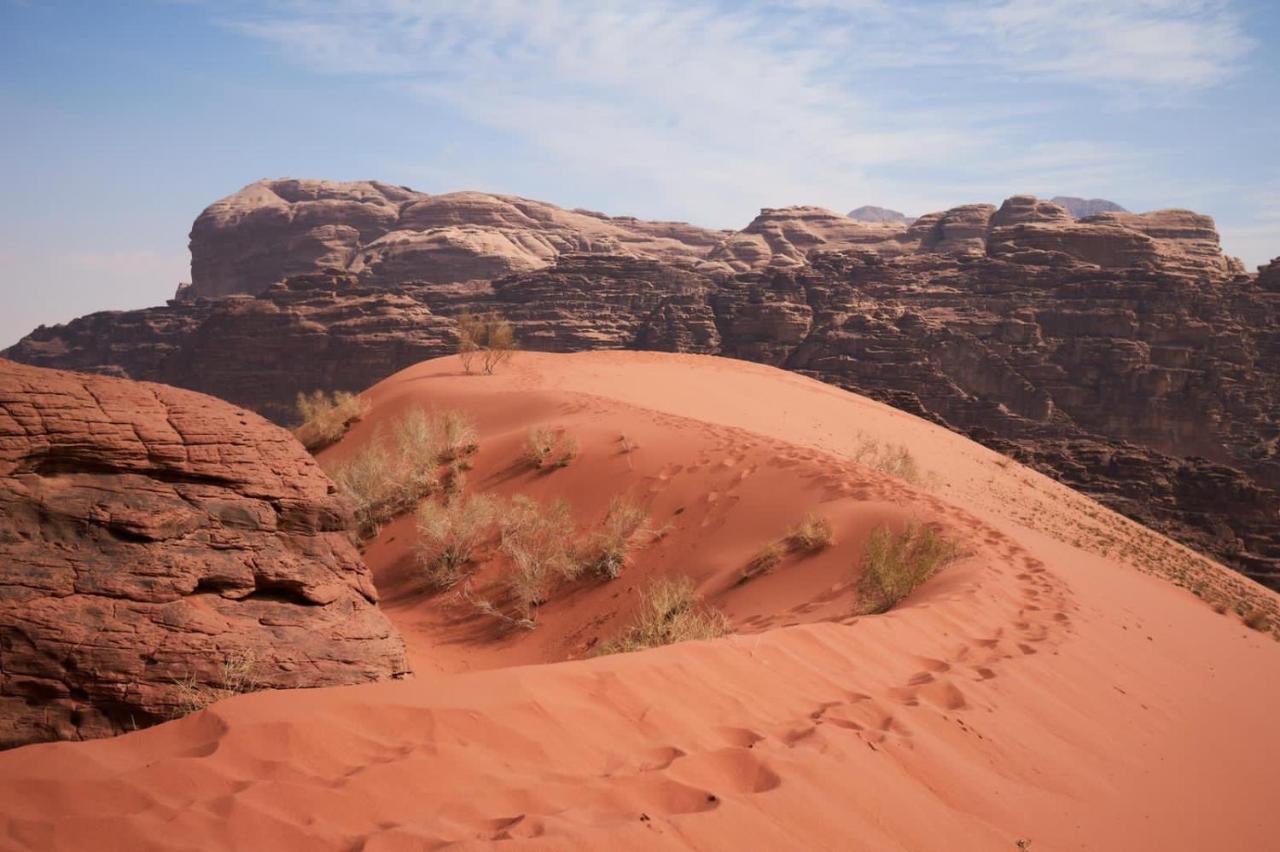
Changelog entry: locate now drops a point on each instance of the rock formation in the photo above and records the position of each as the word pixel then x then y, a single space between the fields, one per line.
pixel 871 213
pixel 1123 353
pixel 152 539
pixel 1082 207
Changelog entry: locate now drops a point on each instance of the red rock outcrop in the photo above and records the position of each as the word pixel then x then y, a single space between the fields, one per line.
pixel 387 235
pixel 150 537
pixel 1073 342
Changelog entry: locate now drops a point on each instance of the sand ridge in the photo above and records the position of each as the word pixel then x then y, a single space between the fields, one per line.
pixel 1034 691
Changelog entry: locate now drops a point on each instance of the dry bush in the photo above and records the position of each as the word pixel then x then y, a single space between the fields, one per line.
pixel 896 563
pixel 892 459
pixel 486 338
pixel 765 560
pixel 448 536
pixel 537 538
pixel 366 480
pixel 670 612
pixel 237 674
pixel 609 547
pixel 812 534
pixel 550 447
pixel 388 477
pixel 327 417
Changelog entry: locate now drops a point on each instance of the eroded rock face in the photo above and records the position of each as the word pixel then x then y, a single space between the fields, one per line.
pixel 387 235
pixel 149 538
pixel 1074 342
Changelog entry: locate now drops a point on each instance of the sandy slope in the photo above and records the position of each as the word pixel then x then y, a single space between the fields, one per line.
pixel 1041 689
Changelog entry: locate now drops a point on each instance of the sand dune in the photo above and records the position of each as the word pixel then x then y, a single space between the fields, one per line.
pixel 1051 687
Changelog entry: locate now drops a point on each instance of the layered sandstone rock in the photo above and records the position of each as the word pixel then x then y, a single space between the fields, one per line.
pixel 1082 207
pixel 151 539
pixel 1078 342
pixel 387 235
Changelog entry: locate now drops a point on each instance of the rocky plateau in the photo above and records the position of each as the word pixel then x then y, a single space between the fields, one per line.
pixel 1121 353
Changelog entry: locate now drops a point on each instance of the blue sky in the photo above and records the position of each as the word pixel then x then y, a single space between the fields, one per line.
pixel 123 120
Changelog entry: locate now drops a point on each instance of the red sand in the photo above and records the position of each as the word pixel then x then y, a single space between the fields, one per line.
pixel 1036 690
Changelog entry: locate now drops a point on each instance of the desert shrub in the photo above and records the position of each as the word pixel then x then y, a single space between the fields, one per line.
pixel 325 418
pixel 609 547
pixel 237 674
pixel 537 539
pixel 670 612
pixel 765 560
pixel 485 338
pixel 366 480
pixel 896 563
pixel 448 535
pixel 893 459
pixel 387 477
pixel 550 447
pixel 812 534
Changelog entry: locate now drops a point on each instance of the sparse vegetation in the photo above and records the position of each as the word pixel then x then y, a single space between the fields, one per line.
pixel 237 674
pixel 765 560
pixel 892 459
pixel 609 548
pixel 896 563
pixel 550 447
pixel 387 477
pixel 484 338
pixel 449 534
pixel 670 611
pixel 538 540
pixel 327 417
pixel 812 534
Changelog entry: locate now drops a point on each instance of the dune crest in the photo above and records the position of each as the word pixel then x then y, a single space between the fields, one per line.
pixel 1050 687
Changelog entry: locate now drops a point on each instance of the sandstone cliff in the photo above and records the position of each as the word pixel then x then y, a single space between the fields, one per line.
pixel 1123 353
pixel 153 538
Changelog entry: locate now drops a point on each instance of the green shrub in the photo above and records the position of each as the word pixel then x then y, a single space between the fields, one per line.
pixel 670 612
pixel 892 459
pixel 894 564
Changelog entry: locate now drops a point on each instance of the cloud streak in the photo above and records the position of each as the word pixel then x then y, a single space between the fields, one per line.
pixel 711 109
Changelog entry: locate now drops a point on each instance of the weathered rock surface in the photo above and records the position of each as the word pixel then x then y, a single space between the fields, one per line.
pixel 151 535
pixel 1122 353
pixel 1082 207
pixel 387 235
pixel 871 213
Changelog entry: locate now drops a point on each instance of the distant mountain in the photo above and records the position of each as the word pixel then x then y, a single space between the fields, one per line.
pixel 868 213
pixel 1082 207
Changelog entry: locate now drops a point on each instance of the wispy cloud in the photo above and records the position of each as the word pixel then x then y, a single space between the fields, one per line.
pixel 714 108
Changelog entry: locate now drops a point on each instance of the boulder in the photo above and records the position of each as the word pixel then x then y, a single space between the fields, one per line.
pixel 158 544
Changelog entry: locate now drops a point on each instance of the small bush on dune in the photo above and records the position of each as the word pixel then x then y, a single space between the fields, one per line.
pixel 537 538
pixel 812 534
pixel 765 560
pixel 670 612
pixel 485 338
pixel 547 447
pixel 893 459
pixel 385 477
pixel 327 417
pixel 894 564
pixel 448 535
pixel 609 548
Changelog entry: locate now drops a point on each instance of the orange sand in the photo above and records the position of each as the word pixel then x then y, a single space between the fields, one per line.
pixel 1036 690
